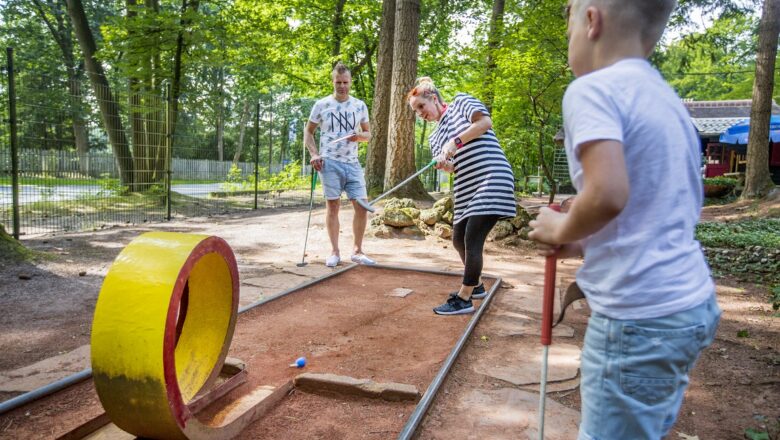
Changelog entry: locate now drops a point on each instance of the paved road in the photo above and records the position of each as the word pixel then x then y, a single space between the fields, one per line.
pixel 37 193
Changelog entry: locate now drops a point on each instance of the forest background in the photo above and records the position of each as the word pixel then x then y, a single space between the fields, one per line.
pixel 221 64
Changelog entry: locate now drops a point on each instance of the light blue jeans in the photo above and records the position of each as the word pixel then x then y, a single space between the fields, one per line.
pixel 338 177
pixel 634 372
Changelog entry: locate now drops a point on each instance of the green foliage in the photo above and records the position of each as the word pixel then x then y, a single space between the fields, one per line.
pixel 774 297
pixel 110 187
pixel 721 181
pixel 752 434
pixel 740 235
pixel 743 334
pixel 748 249
pixel 287 179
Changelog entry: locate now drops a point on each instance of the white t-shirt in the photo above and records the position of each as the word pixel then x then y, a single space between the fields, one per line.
pixel 645 263
pixel 338 119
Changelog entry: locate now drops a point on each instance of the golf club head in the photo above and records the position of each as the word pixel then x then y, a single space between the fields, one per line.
pixel 365 205
pixel 302 263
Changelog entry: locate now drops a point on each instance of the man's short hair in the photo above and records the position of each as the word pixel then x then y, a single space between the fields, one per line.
pixel 340 69
pixel 648 16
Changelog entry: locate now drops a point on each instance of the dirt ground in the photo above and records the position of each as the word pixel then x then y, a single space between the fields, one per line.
pixel 47 310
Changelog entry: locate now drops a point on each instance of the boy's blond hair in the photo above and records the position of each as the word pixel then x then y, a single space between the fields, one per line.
pixel 649 17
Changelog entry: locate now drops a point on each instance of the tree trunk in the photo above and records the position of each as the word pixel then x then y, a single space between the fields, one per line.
pixel 380 108
pixel 400 150
pixel 242 131
pixel 62 31
pixel 758 182
pixel 338 28
pixel 220 114
pixel 135 89
pixel 494 43
pixel 178 63
pixel 109 107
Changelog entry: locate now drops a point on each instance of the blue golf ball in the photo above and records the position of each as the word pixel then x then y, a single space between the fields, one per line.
pixel 300 362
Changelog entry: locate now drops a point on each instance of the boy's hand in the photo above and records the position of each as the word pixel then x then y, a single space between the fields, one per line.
pixel 546 226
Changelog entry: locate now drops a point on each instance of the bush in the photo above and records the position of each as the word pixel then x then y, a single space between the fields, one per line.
pixel 721 181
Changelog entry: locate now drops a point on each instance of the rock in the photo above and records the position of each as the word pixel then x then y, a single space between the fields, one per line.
pixel 376 221
pixel 443 230
pixel 523 232
pixel 430 216
pixel 399 203
pixel 412 212
pixel 512 240
pixel 412 231
pixel 444 204
pixel 447 217
pixel 396 217
pixel 521 219
pixel 503 228
pixel 381 231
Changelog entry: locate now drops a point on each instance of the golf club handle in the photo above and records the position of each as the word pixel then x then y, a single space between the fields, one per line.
pixel 549 292
pixel 314 179
pixel 391 190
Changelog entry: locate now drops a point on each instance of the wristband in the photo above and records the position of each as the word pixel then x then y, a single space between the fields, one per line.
pixel 458 142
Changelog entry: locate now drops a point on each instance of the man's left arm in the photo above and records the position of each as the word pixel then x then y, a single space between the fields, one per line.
pixel 364 135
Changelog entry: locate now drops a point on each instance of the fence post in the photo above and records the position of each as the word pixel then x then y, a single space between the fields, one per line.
pixel 257 147
pixel 168 147
pixel 14 146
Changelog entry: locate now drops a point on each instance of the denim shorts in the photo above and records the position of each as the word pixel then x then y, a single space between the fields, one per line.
pixel 634 372
pixel 338 177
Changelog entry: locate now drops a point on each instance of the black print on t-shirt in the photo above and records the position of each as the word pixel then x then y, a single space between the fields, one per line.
pixel 342 119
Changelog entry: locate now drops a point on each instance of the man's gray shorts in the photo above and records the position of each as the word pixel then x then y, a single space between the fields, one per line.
pixel 338 177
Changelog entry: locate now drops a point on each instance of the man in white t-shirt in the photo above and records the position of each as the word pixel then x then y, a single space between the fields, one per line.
pixel 343 122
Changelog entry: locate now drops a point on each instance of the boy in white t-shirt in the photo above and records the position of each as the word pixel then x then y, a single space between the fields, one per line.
pixel 634 158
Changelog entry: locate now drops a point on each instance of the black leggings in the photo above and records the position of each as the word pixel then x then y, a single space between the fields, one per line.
pixel 468 237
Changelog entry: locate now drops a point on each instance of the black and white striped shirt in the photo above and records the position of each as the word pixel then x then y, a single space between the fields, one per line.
pixel 484 182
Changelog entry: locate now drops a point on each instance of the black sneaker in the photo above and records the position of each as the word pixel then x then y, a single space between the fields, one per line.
pixel 479 292
pixel 454 306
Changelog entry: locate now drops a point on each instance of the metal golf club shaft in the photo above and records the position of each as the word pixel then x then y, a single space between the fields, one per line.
pixel 547 319
pixel 370 208
pixel 308 222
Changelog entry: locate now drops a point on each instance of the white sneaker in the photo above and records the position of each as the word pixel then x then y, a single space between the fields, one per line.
pixel 332 261
pixel 362 259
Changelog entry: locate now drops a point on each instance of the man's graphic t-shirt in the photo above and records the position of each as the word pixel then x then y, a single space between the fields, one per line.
pixel 336 120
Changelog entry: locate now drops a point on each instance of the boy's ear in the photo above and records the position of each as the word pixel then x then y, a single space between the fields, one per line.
pixel 595 22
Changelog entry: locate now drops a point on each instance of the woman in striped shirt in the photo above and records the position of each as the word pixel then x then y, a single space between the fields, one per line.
pixel 464 144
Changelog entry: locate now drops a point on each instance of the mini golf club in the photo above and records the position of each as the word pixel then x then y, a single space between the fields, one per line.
pixel 369 206
pixel 308 222
pixel 547 318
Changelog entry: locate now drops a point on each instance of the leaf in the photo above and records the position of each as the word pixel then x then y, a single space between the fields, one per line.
pixel 752 434
pixel 743 334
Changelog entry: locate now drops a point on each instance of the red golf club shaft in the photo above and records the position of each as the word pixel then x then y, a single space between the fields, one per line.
pixel 549 293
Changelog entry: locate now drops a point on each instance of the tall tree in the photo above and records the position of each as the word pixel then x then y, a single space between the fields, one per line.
pixel 54 14
pixel 400 149
pixel 380 109
pixel 338 28
pixel 109 107
pixel 757 179
pixel 494 43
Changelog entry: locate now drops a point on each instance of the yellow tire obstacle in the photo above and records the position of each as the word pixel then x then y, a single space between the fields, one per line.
pixel 162 328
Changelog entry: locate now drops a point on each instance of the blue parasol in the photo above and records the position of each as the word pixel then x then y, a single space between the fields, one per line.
pixel 737 134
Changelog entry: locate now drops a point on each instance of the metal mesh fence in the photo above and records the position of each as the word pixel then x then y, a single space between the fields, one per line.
pixel 91 156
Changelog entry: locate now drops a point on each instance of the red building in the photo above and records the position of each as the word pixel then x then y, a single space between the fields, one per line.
pixel 711 118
